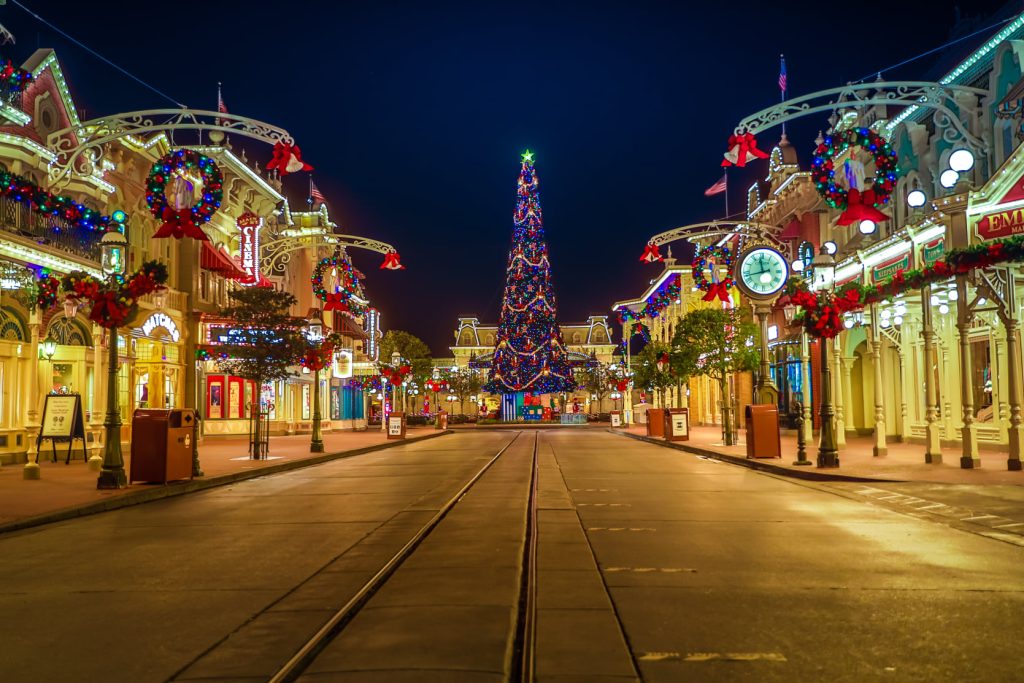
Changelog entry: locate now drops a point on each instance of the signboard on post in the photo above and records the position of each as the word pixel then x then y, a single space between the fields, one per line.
pixel 677 424
pixel 62 421
pixel 616 417
pixel 249 225
pixel 396 426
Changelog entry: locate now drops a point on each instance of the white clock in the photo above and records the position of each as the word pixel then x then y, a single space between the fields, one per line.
pixel 762 272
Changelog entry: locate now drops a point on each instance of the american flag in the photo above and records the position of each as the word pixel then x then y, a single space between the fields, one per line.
pixel 221 107
pixel 315 195
pixel 717 188
pixel 782 73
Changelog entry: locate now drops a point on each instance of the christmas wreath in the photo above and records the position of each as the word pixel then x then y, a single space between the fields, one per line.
pixel 184 219
pixel 855 204
pixel 713 257
pixel 344 296
pixel 112 305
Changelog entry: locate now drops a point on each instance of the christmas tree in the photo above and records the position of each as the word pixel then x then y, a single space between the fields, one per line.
pixel 529 354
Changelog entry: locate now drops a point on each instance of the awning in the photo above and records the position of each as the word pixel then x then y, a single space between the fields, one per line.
pixel 347 327
pixel 216 261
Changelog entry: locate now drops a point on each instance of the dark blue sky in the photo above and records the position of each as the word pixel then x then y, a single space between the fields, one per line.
pixel 415 115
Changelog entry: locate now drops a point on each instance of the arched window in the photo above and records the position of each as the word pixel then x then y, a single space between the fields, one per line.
pixel 69 332
pixel 11 326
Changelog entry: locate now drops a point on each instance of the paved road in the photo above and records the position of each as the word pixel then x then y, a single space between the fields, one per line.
pixel 652 563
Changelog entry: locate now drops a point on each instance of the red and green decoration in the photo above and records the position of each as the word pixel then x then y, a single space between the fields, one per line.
pixel 367 382
pixel 320 355
pixel 343 298
pixel 112 305
pixel 708 260
pixel 822 311
pixel 742 148
pixel 14 80
pixel 287 159
pixel 855 205
pixel 396 374
pixel 392 261
pixel 184 219
pixel 436 386
pixel 667 294
pixel 529 354
pixel 640 328
pixel 651 254
pixel 78 216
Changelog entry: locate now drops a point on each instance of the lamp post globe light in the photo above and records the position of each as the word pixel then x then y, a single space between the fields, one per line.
pixel 112 476
pixel 315 333
pixel 828 451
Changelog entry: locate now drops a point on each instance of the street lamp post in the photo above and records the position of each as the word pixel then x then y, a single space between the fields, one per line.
pixel 315 331
pixel 789 310
pixel 112 476
pixel 828 451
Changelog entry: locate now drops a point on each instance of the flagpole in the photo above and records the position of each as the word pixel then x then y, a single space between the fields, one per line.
pixel 783 78
pixel 725 177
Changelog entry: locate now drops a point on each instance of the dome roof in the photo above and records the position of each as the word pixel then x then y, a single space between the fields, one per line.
pixel 788 151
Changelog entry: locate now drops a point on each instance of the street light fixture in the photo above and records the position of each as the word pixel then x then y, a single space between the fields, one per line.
pixel 828 451
pixel 961 160
pixel 112 476
pixel 49 347
pixel 315 333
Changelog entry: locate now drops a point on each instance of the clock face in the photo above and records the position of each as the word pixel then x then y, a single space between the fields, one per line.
pixel 763 272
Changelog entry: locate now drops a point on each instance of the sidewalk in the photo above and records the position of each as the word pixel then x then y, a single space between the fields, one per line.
pixel 904 462
pixel 66 491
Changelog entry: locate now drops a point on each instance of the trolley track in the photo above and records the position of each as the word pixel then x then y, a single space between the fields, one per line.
pixel 520 655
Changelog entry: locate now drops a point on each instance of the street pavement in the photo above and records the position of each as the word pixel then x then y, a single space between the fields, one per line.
pixel 652 564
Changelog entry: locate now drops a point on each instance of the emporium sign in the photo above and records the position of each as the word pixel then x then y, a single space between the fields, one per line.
pixel 1001 224
pixel 249 225
pixel 884 272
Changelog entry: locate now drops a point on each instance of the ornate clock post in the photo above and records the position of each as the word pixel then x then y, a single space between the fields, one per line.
pixel 762 273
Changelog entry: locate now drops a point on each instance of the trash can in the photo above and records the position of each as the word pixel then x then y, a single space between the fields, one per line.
pixel 763 440
pixel 162 445
pixel 656 422
pixel 442 420
pixel 616 418
pixel 396 426
pixel 676 424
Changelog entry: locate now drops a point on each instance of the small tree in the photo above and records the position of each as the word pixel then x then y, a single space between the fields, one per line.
pixel 410 347
pixel 596 380
pixel 646 373
pixel 716 343
pixel 463 382
pixel 269 342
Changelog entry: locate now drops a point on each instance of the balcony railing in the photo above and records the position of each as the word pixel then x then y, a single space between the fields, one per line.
pixel 48 231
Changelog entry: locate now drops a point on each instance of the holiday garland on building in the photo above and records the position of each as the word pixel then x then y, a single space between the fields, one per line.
pixel 184 218
pixel 529 354
pixel 343 298
pixel 23 190
pixel 822 311
pixel 13 79
pixel 667 294
pixel 112 304
pixel 855 204
pixel 371 382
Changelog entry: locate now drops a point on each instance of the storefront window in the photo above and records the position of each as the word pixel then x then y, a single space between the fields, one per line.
pixel 63 377
pixel 981 379
pixel 142 390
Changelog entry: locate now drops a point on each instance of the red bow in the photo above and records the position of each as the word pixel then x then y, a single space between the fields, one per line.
pixel 391 262
pixel 335 302
pixel 621 385
pixel 741 149
pixel 860 206
pixel 287 159
pixel 717 289
pixel 651 254
pixel 178 224
pixel 107 311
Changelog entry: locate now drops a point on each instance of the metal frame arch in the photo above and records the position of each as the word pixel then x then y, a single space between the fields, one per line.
pixel 901 93
pixel 86 139
pixel 698 231
pixel 277 251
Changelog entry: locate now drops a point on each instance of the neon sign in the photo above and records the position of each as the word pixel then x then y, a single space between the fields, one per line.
pixel 249 226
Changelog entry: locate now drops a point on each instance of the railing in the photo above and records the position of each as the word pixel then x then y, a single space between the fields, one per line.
pixel 48 231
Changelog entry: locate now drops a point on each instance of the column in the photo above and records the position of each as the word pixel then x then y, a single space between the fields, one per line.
pixel 805 389
pixel 1014 369
pixel 32 425
pixel 968 432
pixel 1000 407
pixel 838 392
pixel 904 360
pixel 933 447
pixel 848 391
pixel 879 450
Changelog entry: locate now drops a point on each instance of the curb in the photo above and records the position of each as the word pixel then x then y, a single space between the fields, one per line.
pixel 807 475
pixel 174 489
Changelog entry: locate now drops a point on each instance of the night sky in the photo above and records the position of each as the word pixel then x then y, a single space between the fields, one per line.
pixel 415 115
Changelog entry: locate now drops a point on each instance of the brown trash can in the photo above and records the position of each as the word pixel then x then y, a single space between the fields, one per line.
pixel 656 422
pixel 442 420
pixel 763 439
pixel 677 424
pixel 396 426
pixel 162 445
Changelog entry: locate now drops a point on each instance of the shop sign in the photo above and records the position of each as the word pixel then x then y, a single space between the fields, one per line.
pixel 161 320
pixel 249 226
pixel 1001 224
pixel 394 425
pixel 680 424
pixel 240 335
pixel 884 272
pixel 933 251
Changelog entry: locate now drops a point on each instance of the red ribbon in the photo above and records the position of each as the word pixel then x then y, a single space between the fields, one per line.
pixel 178 224
pixel 335 302
pixel 392 262
pixel 107 311
pixel 651 254
pixel 861 206
pixel 287 159
pixel 717 289
pixel 741 149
